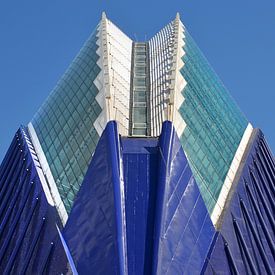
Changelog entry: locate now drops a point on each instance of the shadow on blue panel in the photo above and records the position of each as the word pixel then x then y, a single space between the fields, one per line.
pixel 140 163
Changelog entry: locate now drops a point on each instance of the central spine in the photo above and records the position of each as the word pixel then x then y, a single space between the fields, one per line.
pixel 139 117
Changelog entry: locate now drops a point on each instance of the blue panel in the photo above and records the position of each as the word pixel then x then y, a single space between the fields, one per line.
pixel 92 232
pixel 140 177
pixel 247 234
pixel 152 221
pixel 166 226
pixel 27 222
pixel 184 231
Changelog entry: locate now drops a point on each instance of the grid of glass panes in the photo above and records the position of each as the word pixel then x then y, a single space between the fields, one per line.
pixel 139 98
pixel 64 123
pixel 215 124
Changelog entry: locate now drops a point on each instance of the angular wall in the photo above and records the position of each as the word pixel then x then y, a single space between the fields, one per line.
pixel 65 123
pixel 145 212
pixel 180 86
pixel 95 231
pixel 29 223
pixel 245 244
pixel 183 228
pixel 214 128
pixel 94 90
pixel 139 209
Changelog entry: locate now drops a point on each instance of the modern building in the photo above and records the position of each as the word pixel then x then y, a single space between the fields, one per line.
pixel 138 162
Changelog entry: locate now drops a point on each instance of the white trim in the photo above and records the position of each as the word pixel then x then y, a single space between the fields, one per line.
pixel 231 175
pixel 166 81
pixel 123 214
pixel 113 82
pixel 46 177
pixel 39 171
pixel 177 80
pixel 100 83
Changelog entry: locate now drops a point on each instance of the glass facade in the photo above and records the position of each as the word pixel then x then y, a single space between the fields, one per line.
pixel 215 125
pixel 64 123
pixel 139 90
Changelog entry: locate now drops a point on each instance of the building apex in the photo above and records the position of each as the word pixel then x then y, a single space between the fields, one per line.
pixel 103 15
pixel 177 16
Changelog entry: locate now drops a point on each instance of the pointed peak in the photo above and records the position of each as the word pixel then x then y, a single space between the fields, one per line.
pixel 103 15
pixel 177 16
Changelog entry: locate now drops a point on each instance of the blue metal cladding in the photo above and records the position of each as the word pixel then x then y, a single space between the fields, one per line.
pixel 93 232
pixel 183 229
pixel 140 167
pixel 166 226
pixel 150 219
pixel 29 241
pixel 245 244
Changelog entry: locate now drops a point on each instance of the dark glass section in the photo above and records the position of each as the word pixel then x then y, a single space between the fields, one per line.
pixel 139 121
pixel 65 122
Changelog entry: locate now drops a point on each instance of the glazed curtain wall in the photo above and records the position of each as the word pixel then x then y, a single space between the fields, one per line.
pixel 215 125
pixel 65 122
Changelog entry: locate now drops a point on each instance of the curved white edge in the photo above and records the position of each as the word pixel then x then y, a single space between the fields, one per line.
pixel 67 251
pixel 216 213
pixel 46 177
pixel 123 214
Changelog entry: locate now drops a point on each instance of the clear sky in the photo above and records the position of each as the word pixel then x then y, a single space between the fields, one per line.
pixel 39 39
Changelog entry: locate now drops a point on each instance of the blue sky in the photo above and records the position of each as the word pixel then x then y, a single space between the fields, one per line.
pixel 39 39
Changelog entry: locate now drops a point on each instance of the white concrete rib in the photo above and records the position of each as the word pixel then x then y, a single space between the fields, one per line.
pixel 113 82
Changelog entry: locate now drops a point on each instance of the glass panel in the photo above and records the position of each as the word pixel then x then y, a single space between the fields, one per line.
pixel 215 124
pixel 140 81
pixel 139 132
pixel 139 96
pixel 139 115
pixel 72 110
pixel 139 104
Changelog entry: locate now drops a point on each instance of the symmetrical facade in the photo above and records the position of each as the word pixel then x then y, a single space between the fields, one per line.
pixel 141 85
pixel 140 151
